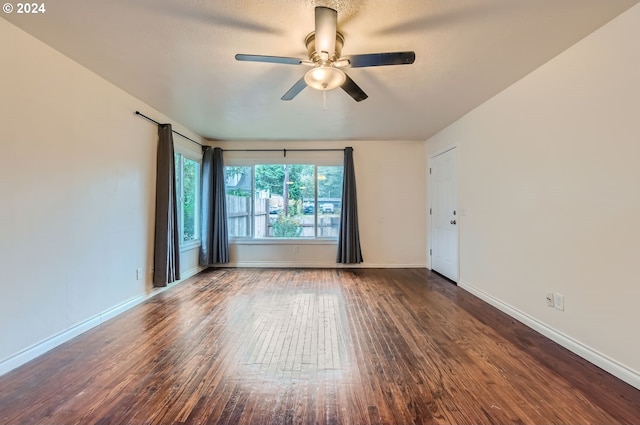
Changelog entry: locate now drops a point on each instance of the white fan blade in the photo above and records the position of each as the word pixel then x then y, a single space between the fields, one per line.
pixel 326 21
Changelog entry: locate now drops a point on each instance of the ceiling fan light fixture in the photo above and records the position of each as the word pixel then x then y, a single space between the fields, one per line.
pixel 325 78
pixel 324 49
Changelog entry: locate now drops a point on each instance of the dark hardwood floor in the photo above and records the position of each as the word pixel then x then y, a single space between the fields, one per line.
pixel 364 346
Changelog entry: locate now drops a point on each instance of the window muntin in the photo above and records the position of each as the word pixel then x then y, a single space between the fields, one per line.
pixel 283 201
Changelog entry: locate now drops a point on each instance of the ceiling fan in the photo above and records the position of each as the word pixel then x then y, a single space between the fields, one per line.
pixel 324 46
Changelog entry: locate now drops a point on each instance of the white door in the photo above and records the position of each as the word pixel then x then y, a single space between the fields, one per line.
pixel 443 188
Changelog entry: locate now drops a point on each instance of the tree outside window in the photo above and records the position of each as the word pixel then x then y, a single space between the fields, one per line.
pixel 188 193
pixel 285 202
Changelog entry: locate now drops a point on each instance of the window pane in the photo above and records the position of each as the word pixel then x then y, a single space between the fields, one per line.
pixel 190 190
pixel 329 200
pixel 180 207
pixel 283 200
pixel 281 193
pixel 238 188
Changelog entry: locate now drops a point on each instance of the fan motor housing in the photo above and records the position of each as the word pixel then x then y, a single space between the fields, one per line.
pixel 314 56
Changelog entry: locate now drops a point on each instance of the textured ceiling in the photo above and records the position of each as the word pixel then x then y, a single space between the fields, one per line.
pixel 178 56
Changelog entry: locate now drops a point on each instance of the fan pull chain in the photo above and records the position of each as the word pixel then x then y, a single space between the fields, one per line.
pixel 324 100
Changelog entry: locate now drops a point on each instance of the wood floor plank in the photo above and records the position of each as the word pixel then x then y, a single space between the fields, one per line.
pixel 273 346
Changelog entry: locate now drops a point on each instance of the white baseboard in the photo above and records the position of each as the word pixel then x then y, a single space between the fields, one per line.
pixel 318 265
pixel 50 343
pixel 615 368
pixel 42 347
pixel 191 272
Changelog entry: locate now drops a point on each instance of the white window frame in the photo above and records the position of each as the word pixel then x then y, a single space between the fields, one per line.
pixel 252 162
pixel 183 152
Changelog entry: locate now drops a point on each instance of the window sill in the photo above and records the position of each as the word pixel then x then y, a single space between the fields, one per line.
pixel 188 246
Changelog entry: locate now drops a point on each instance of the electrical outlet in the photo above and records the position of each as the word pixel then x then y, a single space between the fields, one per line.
pixel 139 273
pixel 550 299
pixel 558 301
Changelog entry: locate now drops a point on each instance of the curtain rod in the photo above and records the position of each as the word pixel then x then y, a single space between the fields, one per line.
pixel 284 151
pixel 157 123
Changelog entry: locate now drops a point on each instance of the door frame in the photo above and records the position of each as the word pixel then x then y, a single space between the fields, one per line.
pixel 430 206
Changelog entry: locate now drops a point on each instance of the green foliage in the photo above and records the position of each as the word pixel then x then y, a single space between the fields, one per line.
pixel 286 227
pixel 190 185
pixel 239 192
pixel 271 178
pixel 330 181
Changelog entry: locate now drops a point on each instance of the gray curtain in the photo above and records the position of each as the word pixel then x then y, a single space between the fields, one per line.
pixel 349 239
pixel 166 255
pixel 215 241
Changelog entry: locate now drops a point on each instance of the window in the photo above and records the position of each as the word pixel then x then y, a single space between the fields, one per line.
pixel 284 200
pixel 188 193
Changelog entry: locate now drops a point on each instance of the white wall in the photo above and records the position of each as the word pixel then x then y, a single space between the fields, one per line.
pixel 77 176
pixel 391 186
pixel 549 176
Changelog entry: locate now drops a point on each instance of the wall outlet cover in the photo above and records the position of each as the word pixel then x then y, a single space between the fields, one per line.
pixel 558 301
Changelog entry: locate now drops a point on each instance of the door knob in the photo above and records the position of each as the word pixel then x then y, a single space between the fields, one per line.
pixel 452 222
